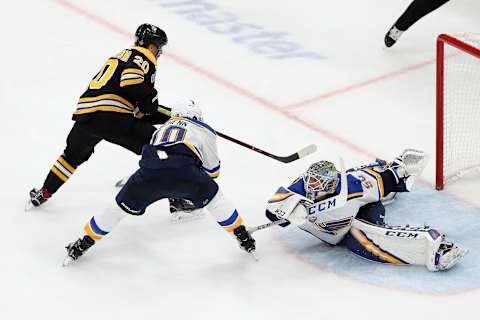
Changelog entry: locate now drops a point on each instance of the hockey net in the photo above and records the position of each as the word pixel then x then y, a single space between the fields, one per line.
pixel 458 107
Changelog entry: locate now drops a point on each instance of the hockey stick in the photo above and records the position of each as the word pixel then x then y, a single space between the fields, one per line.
pixel 286 159
pixel 266 225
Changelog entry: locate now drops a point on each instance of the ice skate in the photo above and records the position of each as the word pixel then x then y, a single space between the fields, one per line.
pixel 392 36
pixel 76 249
pixel 449 255
pixel 245 239
pixel 183 210
pixel 37 197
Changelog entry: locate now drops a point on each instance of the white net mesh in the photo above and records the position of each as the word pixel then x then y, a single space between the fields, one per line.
pixel 461 108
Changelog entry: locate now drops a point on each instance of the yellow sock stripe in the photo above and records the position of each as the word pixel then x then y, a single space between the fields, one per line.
pixel 372 248
pixel 89 231
pixel 59 174
pixel 235 225
pixel 66 165
pixel 379 180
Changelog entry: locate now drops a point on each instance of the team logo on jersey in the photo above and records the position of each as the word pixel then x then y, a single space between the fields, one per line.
pixel 331 227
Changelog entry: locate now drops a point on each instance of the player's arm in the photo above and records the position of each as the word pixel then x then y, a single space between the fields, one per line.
pixel 137 82
pixel 289 205
pixel 211 163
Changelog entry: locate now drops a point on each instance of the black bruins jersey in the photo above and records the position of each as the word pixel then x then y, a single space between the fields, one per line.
pixel 124 84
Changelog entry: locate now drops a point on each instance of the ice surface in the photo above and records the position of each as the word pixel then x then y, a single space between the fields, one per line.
pixel 359 100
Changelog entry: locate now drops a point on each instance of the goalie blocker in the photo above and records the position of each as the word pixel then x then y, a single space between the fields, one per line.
pixel 359 222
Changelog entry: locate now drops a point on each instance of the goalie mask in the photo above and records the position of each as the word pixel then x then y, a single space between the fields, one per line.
pixel 187 109
pixel 321 178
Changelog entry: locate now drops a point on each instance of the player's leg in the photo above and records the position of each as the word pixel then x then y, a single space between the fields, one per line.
pixel 128 132
pixel 402 245
pixel 80 146
pixel 415 11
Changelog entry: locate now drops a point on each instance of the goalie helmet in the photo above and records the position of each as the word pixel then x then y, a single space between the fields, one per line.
pixel 149 34
pixel 320 178
pixel 187 109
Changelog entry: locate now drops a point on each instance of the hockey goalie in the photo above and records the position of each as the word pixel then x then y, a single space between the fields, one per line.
pixel 348 207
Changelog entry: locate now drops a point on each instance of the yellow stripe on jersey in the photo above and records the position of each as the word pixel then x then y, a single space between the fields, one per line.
pixel 214 175
pixel 134 71
pixel 130 82
pixel 131 76
pixel 101 108
pixel 106 97
pixel 147 54
pixel 379 180
pixel 373 248
pixel 280 196
pixel 354 195
pixel 59 174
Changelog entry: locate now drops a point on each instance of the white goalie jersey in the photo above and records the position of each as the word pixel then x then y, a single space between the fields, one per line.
pixel 326 219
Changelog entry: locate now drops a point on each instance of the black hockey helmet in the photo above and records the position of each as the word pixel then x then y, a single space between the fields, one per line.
pixel 148 33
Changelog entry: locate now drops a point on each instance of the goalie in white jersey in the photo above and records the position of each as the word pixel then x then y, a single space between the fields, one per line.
pixel 180 162
pixel 336 207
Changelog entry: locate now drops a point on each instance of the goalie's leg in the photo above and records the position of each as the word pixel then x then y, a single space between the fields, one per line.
pixel 403 245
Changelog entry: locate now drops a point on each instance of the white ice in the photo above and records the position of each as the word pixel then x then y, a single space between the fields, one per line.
pixel 368 102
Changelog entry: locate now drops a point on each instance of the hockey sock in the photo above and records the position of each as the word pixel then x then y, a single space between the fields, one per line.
pixel 224 212
pixel 100 225
pixel 59 174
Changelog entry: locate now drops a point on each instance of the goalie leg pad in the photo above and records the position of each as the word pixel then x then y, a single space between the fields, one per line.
pixel 402 245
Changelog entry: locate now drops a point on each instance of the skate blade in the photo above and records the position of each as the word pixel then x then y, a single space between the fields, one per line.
pixel 182 216
pixel 120 183
pixel 68 260
pixel 28 205
pixel 254 256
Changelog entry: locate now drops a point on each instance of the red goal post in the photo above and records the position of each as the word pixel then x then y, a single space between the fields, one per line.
pixel 457 106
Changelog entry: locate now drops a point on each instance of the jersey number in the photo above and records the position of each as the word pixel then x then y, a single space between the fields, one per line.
pixel 173 134
pixel 104 74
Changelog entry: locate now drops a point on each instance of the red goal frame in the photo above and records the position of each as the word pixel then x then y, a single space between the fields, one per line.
pixel 442 40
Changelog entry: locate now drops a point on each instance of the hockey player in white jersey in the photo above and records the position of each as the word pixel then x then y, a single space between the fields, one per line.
pixel 180 162
pixel 347 206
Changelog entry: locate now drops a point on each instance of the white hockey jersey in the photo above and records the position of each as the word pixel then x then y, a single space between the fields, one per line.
pixel 197 136
pixel 328 222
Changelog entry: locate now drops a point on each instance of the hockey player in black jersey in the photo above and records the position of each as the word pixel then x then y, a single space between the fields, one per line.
pixel 119 106
pixel 415 11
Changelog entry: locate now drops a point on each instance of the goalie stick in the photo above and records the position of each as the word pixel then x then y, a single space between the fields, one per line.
pixel 339 202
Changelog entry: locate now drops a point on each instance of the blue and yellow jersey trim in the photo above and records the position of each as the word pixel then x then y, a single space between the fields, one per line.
pixel 92 229
pixel 230 224
pixel 131 76
pixel 196 122
pixel 374 249
pixel 355 195
pixel 214 173
pixel 378 178
pixel 281 195
pixel 104 102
